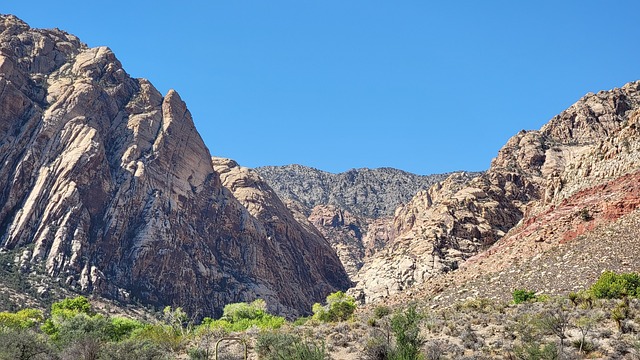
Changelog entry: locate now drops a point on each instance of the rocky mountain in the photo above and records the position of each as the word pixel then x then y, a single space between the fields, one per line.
pixel 106 187
pixel 368 193
pixel 350 209
pixel 559 185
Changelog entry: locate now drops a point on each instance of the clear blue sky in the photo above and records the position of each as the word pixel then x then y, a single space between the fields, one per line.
pixel 423 86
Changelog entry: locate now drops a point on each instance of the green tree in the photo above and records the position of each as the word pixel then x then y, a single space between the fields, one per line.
pixel 615 286
pixel 339 307
pixel 406 329
pixel 23 319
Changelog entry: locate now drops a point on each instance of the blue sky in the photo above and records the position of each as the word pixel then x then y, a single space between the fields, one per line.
pixel 422 86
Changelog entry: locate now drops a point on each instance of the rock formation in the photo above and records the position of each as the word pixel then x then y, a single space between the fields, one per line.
pixel 353 210
pixel 366 193
pixel 539 177
pixel 107 184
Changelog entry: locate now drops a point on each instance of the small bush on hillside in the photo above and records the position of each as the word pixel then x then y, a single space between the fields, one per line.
pixel 522 295
pixel 381 311
pixel 406 329
pixel 133 350
pixel 616 286
pixel 339 307
pixel 301 321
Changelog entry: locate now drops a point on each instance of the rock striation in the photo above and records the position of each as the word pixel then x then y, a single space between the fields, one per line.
pixel 107 187
pixel 533 194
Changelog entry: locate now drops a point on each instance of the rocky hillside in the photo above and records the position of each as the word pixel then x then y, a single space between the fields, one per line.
pixel 106 187
pixel 570 178
pixel 351 209
pixel 368 193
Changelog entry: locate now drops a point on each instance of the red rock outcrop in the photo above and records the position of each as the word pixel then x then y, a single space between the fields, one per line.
pixel 584 161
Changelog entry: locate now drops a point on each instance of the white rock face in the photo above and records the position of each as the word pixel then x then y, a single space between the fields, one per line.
pixel 112 185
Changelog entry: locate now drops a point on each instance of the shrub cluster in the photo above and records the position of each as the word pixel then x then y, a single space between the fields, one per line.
pixel 339 307
pixel 616 286
pixel 241 316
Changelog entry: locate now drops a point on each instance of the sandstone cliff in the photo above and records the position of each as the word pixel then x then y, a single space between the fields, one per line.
pixel 107 184
pixel 533 194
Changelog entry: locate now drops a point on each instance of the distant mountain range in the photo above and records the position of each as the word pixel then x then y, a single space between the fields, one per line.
pixel 370 193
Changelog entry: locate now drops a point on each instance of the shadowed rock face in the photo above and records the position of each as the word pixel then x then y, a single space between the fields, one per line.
pixel 108 184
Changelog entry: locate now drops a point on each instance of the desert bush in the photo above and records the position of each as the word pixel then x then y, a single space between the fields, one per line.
pixel 134 349
pixel 584 345
pixel 585 325
pixel 536 352
pixel 620 313
pixel 162 335
pixel 521 295
pixel 339 307
pixel 381 311
pixel 301 321
pixel 406 329
pixel 269 342
pixel 282 346
pixel 242 316
pixel 23 319
pixel 122 328
pixel 376 348
pixel 24 344
pixel 470 339
pixel 615 286
pixel 82 326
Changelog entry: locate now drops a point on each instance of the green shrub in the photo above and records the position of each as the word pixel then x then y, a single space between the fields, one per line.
pixel 268 343
pixel 122 328
pixel 381 311
pixel 163 336
pixel 406 329
pixel 23 319
pixel 301 320
pixel 241 316
pixel 134 350
pixel 242 310
pixel 16 343
pixel 282 346
pixel 79 304
pixel 615 286
pixel 521 295
pixel 339 307
pixel 536 352
pixel 82 326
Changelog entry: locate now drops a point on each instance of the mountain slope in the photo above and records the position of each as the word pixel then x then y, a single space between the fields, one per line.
pixel 369 193
pixel 530 183
pixel 107 187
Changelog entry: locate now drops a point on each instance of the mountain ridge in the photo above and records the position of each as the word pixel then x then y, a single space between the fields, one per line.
pixel 107 188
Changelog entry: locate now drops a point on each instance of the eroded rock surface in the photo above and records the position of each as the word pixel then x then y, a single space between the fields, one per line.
pixel 533 192
pixel 108 185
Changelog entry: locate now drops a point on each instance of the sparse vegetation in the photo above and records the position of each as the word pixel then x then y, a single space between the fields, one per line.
pixel 521 295
pixel 599 322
